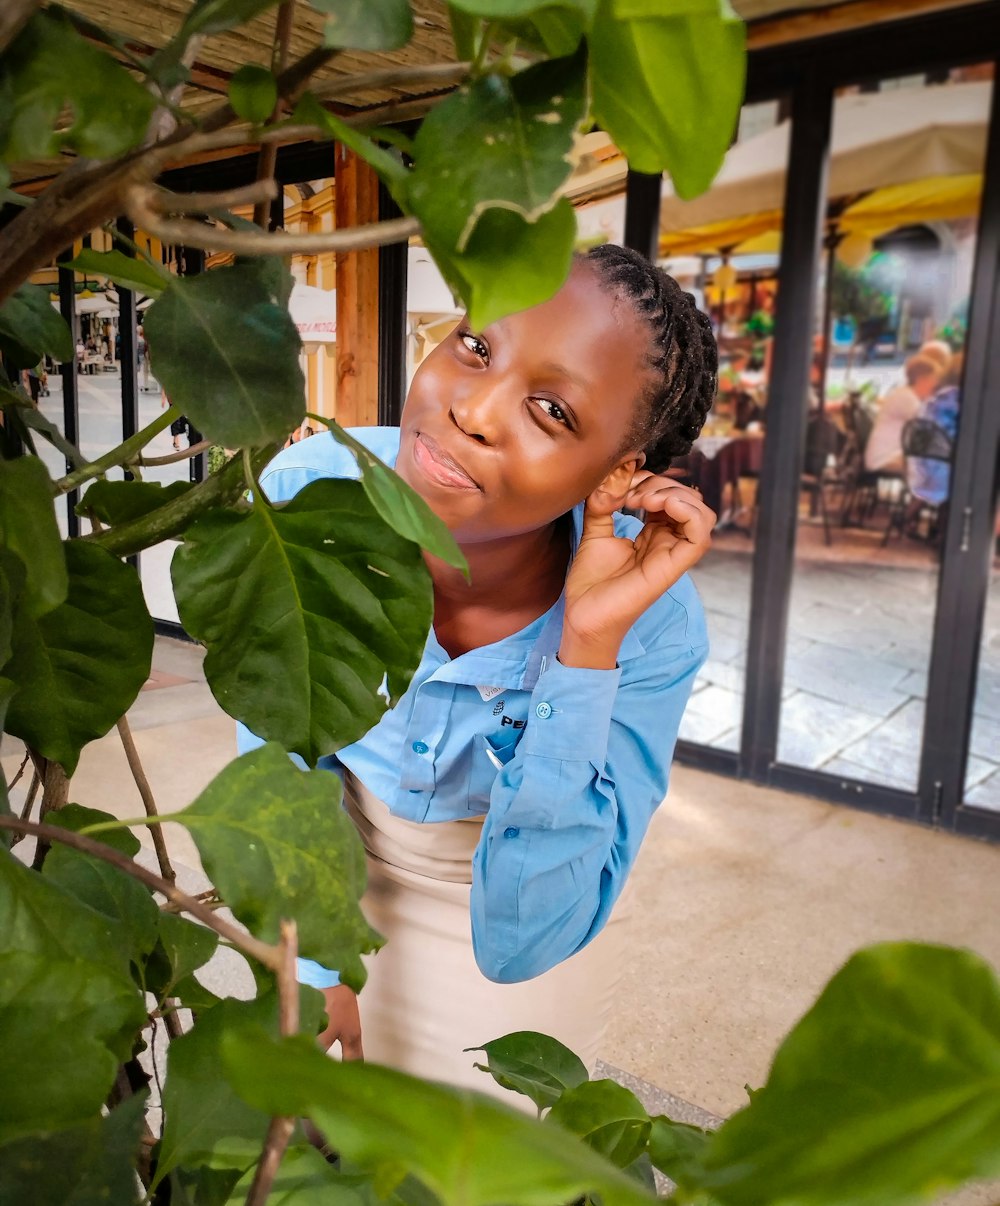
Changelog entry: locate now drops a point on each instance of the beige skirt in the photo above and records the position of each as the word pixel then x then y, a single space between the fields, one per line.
pixel 426 1000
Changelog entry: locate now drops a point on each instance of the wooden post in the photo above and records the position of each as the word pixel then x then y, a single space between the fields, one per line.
pixel 356 202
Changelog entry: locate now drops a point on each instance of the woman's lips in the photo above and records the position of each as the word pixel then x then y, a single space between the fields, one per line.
pixel 439 467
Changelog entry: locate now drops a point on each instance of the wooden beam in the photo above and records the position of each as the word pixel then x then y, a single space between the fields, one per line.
pixel 802 26
pixel 356 202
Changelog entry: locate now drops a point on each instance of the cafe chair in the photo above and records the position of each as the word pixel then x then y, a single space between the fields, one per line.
pixel 925 444
pixel 822 467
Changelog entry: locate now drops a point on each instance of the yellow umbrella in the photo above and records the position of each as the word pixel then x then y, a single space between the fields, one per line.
pixel 714 238
pixel 935 198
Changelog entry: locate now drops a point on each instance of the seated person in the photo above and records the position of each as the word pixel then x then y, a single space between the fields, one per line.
pixel 930 480
pixel 884 452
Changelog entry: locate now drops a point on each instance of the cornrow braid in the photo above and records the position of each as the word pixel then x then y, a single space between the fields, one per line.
pixel 683 357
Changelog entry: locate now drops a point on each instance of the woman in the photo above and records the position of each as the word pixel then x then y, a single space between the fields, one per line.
pixel 513 783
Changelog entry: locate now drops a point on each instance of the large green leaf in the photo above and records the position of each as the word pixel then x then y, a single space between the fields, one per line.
pixel 513 9
pixel 50 69
pixel 120 502
pixel 68 1006
pixel 215 16
pixel 522 129
pixel 92 1164
pixel 667 85
pixel 305 609
pixel 30 328
pixel 468 1149
pixel 227 353
pixel 22 411
pixel 205 1122
pixel 533 1064
pixel 276 843
pixel 28 529
pixel 104 887
pixel 125 270
pixel 366 24
pixel 399 504
pixel 306 1178
pixel 678 1149
pixel 607 1117
pixel 253 93
pixel 81 666
pixel 537 257
pixel 887 1091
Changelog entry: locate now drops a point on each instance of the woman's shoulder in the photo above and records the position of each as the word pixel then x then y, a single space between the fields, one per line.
pixel 321 456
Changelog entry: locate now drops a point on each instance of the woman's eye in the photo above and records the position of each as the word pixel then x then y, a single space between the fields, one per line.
pixel 553 410
pixel 475 345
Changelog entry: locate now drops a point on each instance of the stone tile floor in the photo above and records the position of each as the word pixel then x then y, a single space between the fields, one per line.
pixel 855 672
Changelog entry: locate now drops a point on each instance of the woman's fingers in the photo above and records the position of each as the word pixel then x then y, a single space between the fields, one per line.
pixel 343 1022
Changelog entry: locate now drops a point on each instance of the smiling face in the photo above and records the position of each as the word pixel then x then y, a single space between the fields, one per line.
pixel 506 430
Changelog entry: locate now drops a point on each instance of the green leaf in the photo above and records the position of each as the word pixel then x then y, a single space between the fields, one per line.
pixel 182 948
pixel 522 159
pixel 398 504
pixel 227 354
pixel 22 410
pixel 77 817
pixel 389 166
pixel 513 9
pixel 305 1178
pixel 81 666
pixel 464 1147
pixel 366 24
pixel 316 595
pixel 68 1006
pixel 533 1064
pixel 119 502
pixel 253 93
pixel 205 1121
pixel 49 69
pixel 215 16
pixel 276 843
pixel 128 271
pixel 92 1164
pixel 29 530
pixel 30 327
pixel 103 887
pixel 12 575
pixel 887 1091
pixel 668 86
pixel 464 31
pixel 678 1150
pixel 537 257
pixel 607 1117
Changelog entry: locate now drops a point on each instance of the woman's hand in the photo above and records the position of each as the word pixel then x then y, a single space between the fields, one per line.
pixel 343 1022
pixel 613 580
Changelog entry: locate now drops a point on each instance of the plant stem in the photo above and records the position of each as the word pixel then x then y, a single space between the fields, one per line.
pixel 185 454
pixel 263 952
pixel 267 156
pixel 55 794
pixel 146 792
pixel 120 455
pixel 280 1129
pixel 441 74
pixel 482 54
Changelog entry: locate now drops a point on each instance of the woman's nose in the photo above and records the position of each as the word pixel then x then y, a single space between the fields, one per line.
pixel 479 412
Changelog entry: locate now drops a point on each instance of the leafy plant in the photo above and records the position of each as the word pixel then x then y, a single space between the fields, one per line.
pixel 96 960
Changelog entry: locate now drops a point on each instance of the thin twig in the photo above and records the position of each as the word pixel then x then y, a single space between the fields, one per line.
pixel 184 454
pixel 124 452
pixel 432 75
pixel 263 952
pixel 55 794
pixel 268 156
pixel 20 771
pixel 36 782
pixel 280 1129
pixel 249 242
pixel 205 203
pixel 146 792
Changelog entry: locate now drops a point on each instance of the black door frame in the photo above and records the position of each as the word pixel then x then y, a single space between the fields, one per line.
pixel 806 74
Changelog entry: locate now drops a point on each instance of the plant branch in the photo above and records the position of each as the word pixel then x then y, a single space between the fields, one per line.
pixel 185 454
pixel 267 158
pixel 170 520
pixel 146 792
pixel 271 956
pixel 280 1129
pixel 121 455
pixel 55 794
pixel 200 203
pixel 439 75
pixel 248 242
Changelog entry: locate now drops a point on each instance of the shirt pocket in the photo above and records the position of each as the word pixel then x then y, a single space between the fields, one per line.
pixel 490 755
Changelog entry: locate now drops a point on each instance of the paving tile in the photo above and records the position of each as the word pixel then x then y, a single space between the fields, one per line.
pixel 986 794
pixel 849 677
pixel 711 713
pixel 985 742
pixel 722 674
pixel 977 770
pixel 814 729
pixel 869 774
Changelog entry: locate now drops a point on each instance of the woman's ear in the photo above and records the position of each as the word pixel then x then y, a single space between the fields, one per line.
pixel 610 495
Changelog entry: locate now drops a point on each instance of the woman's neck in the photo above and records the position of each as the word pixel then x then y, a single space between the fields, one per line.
pixel 512 581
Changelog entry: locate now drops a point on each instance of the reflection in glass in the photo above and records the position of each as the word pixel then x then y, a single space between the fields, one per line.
pixel 883 415
pixel 982 773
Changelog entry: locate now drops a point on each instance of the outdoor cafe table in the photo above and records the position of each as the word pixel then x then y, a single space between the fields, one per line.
pixel 718 461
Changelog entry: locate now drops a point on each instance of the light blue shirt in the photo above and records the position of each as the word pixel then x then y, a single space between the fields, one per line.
pixel 566 765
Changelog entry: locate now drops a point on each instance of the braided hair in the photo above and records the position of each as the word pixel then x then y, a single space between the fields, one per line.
pixel 682 357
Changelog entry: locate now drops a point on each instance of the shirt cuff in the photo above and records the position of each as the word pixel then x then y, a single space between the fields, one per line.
pixel 569 716
pixel 315 974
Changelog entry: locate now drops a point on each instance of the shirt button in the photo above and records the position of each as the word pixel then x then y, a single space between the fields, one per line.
pixel 420 747
pixel 511 832
pixel 543 711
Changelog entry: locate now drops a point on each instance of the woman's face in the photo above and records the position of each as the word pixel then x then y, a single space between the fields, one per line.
pixel 507 429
